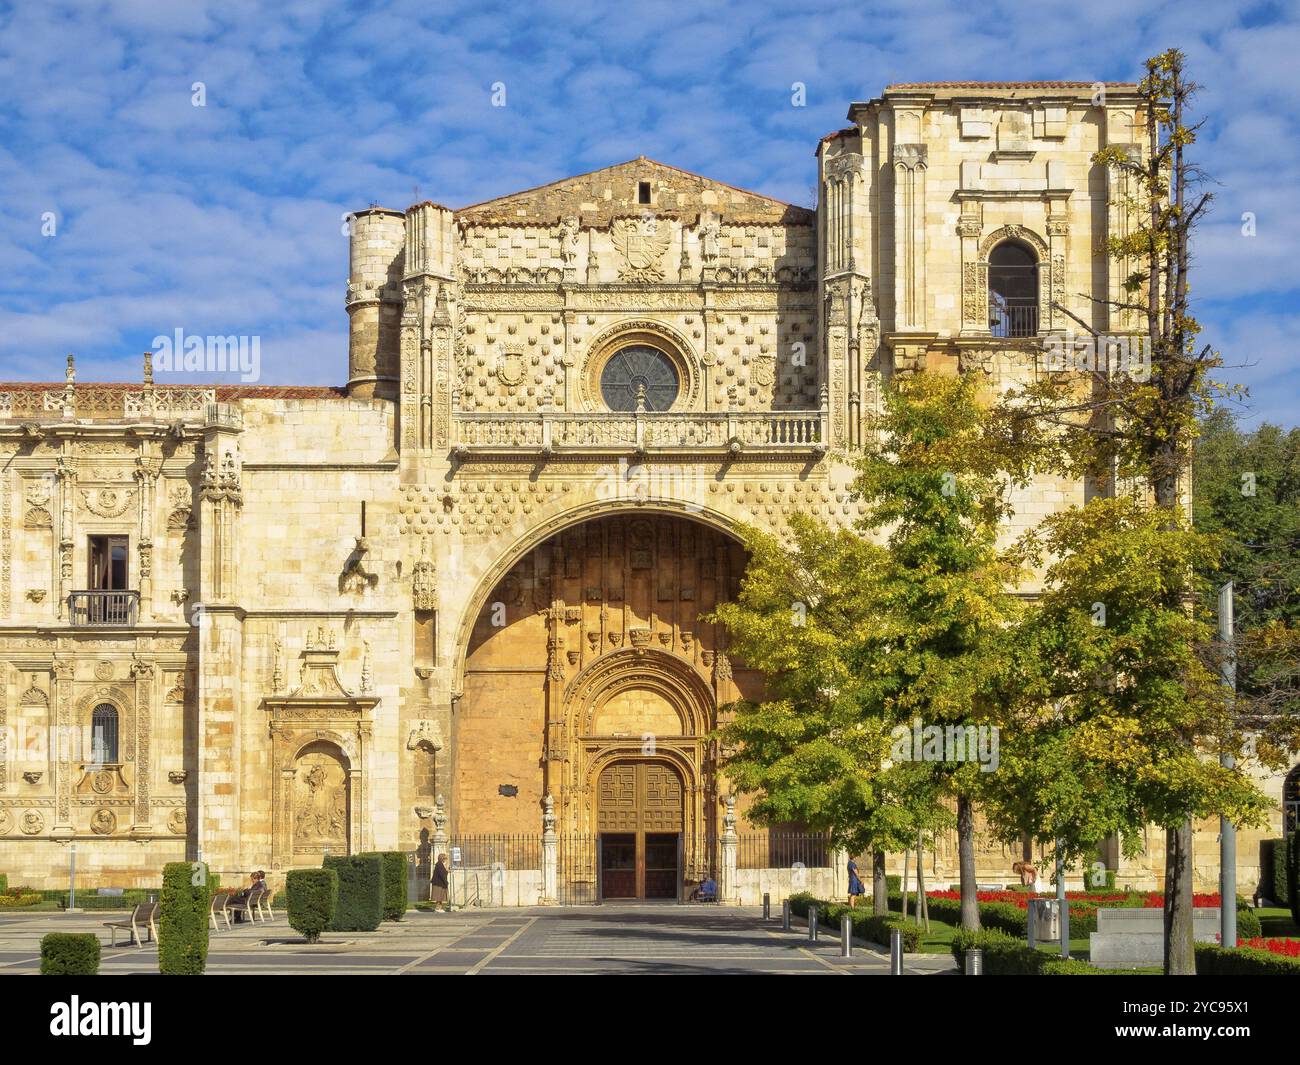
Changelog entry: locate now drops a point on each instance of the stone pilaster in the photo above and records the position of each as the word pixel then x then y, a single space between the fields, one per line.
pixel 144 673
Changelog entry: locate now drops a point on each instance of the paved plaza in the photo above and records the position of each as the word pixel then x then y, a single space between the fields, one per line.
pixel 649 938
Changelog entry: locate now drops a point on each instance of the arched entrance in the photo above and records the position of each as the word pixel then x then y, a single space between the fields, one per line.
pixel 640 816
pixel 593 650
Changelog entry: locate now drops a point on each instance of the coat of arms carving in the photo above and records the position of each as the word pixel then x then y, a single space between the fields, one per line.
pixel 642 243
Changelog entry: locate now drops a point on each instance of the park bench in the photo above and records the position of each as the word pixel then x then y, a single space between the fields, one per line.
pixel 141 920
pixel 248 905
pixel 220 908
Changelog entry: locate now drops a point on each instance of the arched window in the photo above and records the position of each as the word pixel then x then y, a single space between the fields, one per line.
pixel 1013 290
pixel 103 734
pixel 1291 801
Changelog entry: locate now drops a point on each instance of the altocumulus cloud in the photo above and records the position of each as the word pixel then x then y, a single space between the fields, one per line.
pixel 226 219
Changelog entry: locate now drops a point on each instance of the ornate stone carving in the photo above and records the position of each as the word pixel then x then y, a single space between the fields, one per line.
pixel 107 502
pixel 424 580
pixel 33 822
pixel 426 732
pixel 641 242
pixel 103 822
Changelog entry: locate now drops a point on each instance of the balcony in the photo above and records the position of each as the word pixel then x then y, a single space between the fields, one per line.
pixel 103 609
pixel 666 433
pixel 1013 317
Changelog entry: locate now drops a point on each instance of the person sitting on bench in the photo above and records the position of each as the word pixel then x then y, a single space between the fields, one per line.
pixel 239 903
pixel 707 891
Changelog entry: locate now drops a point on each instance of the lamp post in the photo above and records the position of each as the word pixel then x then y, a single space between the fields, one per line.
pixel 1227 830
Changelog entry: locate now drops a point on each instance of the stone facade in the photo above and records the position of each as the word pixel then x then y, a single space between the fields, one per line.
pixel 413 608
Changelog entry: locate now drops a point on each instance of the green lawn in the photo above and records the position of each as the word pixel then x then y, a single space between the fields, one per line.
pixel 1276 921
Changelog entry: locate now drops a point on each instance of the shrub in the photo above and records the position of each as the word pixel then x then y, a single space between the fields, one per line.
pixel 1293 875
pixel 4 883
pixel 312 898
pixel 1248 925
pixel 1272 871
pixel 360 905
pixel 395 883
pixel 1214 960
pixel 13 902
pixel 70 954
pixel 183 919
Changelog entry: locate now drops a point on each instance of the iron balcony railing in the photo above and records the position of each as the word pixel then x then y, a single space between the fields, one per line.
pixel 116 609
pixel 1013 317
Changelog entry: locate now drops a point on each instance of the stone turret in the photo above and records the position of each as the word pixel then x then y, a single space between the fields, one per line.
pixel 374 301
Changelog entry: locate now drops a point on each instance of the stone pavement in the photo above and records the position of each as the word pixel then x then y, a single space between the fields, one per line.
pixel 648 938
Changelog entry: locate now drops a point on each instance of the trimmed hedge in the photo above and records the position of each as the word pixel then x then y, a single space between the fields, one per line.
pixel 312 896
pixel 13 902
pixel 4 883
pixel 183 919
pixel 1004 955
pixel 866 925
pixel 1293 875
pixel 395 883
pixel 360 905
pixel 70 954
pixel 1272 871
pixel 1248 925
pixel 1214 960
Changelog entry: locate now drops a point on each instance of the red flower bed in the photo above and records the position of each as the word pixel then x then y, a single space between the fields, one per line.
pixel 1081 901
pixel 1288 948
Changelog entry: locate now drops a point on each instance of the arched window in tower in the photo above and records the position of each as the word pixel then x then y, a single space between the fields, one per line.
pixel 1291 802
pixel 103 734
pixel 639 375
pixel 1013 291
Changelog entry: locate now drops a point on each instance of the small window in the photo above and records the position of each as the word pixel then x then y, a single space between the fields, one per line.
pixel 103 734
pixel 643 192
pixel 108 571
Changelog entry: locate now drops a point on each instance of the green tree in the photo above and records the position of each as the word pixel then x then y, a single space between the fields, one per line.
pixel 807 752
pixel 1139 419
pixel 1139 715
pixel 860 640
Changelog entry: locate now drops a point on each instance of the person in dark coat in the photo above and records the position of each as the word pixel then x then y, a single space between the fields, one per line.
pixel 438 884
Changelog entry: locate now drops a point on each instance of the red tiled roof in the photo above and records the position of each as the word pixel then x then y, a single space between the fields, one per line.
pixel 224 392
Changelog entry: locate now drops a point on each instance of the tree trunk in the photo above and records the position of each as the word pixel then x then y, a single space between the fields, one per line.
pixel 907 857
pixel 879 885
pixel 920 879
pixel 1180 952
pixel 970 913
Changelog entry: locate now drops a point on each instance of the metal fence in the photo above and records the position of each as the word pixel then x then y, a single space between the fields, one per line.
pixel 784 850
pixel 507 869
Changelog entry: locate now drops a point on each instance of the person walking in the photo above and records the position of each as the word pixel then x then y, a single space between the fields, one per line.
pixel 438 886
pixel 855 885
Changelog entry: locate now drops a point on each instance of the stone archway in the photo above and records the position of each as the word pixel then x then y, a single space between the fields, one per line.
pixel 593 648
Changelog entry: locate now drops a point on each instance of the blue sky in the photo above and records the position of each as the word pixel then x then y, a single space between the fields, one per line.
pixel 227 218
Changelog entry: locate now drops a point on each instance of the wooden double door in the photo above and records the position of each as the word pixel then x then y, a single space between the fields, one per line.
pixel 639 816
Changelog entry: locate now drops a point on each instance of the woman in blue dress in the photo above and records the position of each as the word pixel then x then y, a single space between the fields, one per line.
pixel 855 884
